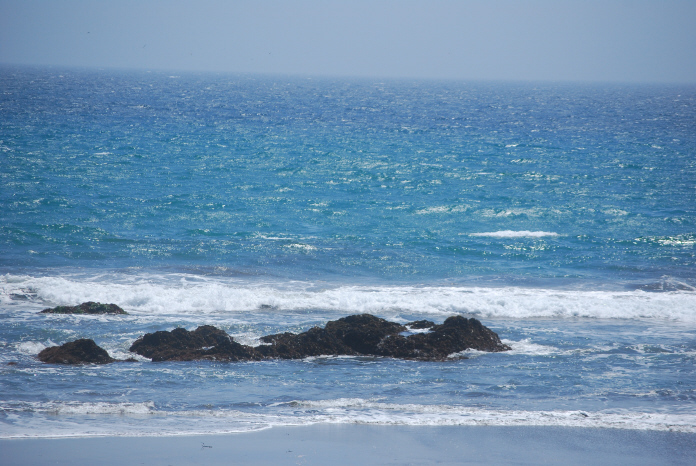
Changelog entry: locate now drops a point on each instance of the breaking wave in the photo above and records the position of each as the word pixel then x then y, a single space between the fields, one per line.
pixel 187 295
pixel 122 419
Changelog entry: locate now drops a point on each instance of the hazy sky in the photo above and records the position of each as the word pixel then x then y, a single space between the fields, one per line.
pixel 608 40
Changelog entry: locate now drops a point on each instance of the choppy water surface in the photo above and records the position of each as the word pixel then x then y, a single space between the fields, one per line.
pixel 562 216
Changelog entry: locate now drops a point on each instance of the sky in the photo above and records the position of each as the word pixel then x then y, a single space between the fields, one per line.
pixel 529 40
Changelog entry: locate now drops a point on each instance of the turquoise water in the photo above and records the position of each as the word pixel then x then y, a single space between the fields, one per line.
pixel 561 215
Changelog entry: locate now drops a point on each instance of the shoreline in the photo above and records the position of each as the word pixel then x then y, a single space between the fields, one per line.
pixel 348 444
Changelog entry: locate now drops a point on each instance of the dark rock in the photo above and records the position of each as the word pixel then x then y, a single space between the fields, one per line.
pixel 364 332
pixel 314 342
pixel 206 342
pixel 230 350
pixel 89 307
pixel 353 335
pixel 456 334
pixel 12 363
pixel 83 351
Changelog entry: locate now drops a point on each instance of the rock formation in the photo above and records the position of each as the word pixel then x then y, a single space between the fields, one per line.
pixel 89 307
pixel 206 342
pixel 83 351
pixel 354 335
pixel 455 335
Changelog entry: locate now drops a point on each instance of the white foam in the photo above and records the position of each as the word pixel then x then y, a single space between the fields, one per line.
pixel 414 331
pixel 676 241
pixel 527 347
pixel 190 296
pixel 469 353
pixel 443 210
pixel 515 234
pixel 615 212
pixel 533 212
pixel 306 247
pixel 72 408
pixel 30 347
pixel 362 411
pixel 58 419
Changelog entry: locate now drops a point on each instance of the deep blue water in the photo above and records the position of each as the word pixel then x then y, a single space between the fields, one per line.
pixel 561 215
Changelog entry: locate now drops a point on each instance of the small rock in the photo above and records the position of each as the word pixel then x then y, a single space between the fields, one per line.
pixel 83 351
pixel 89 307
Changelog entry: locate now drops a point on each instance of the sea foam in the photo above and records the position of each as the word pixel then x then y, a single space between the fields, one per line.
pixel 515 234
pixel 194 295
pixel 147 420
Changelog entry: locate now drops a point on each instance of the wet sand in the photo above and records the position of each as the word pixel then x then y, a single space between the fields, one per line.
pixel 361 444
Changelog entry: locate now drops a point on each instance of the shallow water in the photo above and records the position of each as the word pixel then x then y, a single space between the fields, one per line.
pixel 562 216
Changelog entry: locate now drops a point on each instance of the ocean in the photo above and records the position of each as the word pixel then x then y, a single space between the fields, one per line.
pixel 563 216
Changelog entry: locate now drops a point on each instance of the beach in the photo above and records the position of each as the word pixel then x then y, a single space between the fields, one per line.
pixel 358 444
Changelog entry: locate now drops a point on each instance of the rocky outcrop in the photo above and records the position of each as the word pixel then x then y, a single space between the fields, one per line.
pixel 355 335
pixel 352 335
pixel 455 335
pixel 89 307
pixel 83 351
pixel 206 342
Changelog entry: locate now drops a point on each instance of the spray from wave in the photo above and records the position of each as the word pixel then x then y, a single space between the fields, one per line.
pixel 185 294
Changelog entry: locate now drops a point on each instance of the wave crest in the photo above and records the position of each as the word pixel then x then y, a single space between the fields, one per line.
pixel 192 295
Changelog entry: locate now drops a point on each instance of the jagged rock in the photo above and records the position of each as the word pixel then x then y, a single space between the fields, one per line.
pixel 363 333
pixel 353 335
pixel 314 342
pixel 83 351
pixel 206 342
pixel 456 334
pixel 89 307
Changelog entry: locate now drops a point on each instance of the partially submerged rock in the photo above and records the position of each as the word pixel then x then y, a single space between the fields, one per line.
pixel 83 351
pixel 89 307
pixel 455 335
pixel 356 335
pixel 206 342
pixel 352 335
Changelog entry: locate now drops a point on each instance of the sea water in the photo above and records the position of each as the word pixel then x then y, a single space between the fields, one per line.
pixel 563 216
